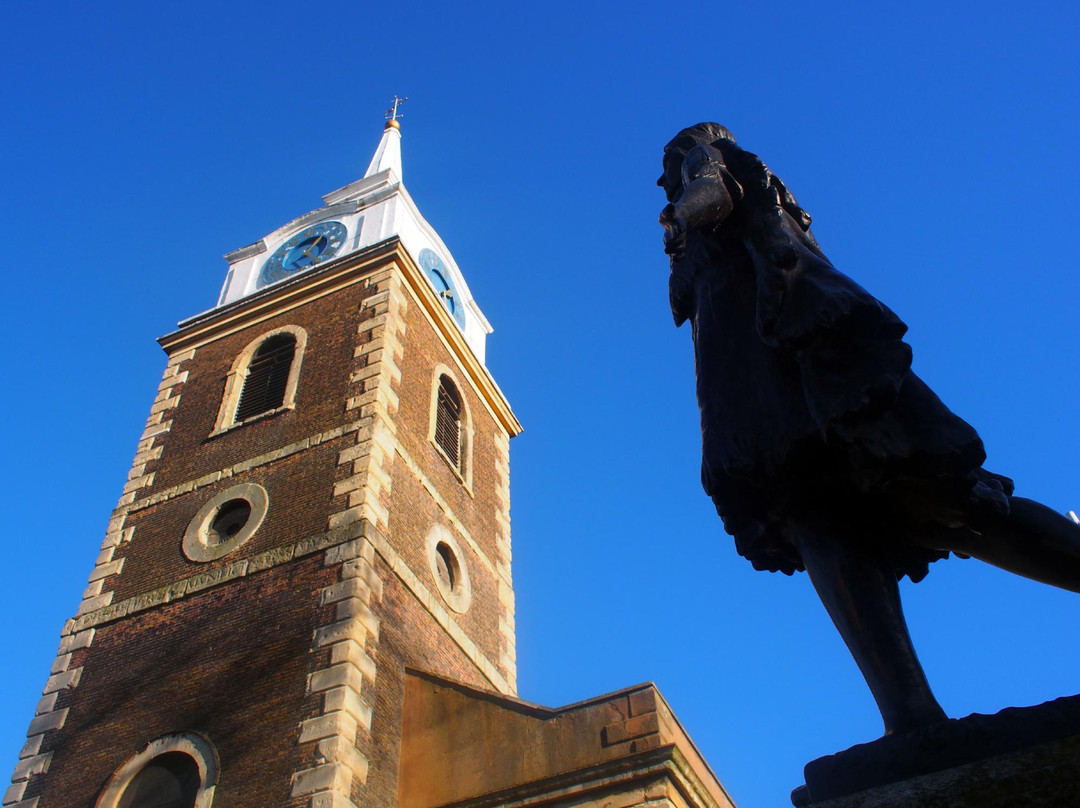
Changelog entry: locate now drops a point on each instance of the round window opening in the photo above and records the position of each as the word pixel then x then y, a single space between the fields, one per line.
pixel 225 522
pixel 230 520
pixel 447 564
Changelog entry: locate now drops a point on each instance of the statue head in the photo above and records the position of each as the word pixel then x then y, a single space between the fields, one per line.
pixel 697 135
pixel 676 149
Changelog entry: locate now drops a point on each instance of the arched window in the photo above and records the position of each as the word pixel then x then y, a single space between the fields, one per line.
pixel 168 781
pixel 448 431
pixel 267 377
pixel 174 771
pixel 263 378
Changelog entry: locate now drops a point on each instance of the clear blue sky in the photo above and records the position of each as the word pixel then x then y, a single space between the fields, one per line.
pixel 935 149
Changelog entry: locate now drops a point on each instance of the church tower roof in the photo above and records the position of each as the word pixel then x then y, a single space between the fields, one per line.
pixel 370 210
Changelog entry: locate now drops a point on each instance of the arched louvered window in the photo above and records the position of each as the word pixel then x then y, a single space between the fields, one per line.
pixel 267 377
pixel 174 771
pixel 170 780
pixel 448 431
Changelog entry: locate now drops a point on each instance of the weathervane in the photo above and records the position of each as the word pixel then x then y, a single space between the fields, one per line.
pixel 392 114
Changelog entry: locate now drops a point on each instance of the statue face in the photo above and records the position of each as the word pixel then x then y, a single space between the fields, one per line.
pixel 671 179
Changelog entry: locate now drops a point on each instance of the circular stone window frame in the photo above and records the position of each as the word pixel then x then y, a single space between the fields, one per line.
pixel 192 744
pixel 197 545
pixel 459 597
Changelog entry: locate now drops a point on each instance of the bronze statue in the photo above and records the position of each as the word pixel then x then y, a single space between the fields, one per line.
pixel 821 449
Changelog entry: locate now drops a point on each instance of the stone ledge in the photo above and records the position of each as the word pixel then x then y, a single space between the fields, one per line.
pixel 246 465
pixel 196 583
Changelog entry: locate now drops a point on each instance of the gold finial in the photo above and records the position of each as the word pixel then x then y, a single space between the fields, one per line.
pixel 393 114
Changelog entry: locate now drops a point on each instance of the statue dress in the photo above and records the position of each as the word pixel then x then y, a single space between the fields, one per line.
pixel 809 410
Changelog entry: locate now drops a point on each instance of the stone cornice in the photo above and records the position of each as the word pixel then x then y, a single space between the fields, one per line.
pixel 305 287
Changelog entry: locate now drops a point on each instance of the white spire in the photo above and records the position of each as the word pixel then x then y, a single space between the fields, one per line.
pixel 388 155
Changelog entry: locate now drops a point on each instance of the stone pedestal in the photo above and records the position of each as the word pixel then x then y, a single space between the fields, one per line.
pixel 1021 756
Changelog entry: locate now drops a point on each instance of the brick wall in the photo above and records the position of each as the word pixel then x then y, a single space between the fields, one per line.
pixel 289 652
pixel 210 663
pixel 330 323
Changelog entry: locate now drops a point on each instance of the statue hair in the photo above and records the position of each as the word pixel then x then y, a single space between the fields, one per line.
pixel 697 135
pixel 763 188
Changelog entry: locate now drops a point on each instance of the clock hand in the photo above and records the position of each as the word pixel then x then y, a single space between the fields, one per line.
pixel 312 246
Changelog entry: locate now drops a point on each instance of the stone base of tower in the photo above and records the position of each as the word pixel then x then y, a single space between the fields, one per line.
pixel 1019 756
pixel 469 748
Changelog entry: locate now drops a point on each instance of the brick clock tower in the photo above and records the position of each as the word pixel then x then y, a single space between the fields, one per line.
pixel 303 598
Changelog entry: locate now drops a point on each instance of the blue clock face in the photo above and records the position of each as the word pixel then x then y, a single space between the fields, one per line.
pixel 444 286
pixel 307 248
